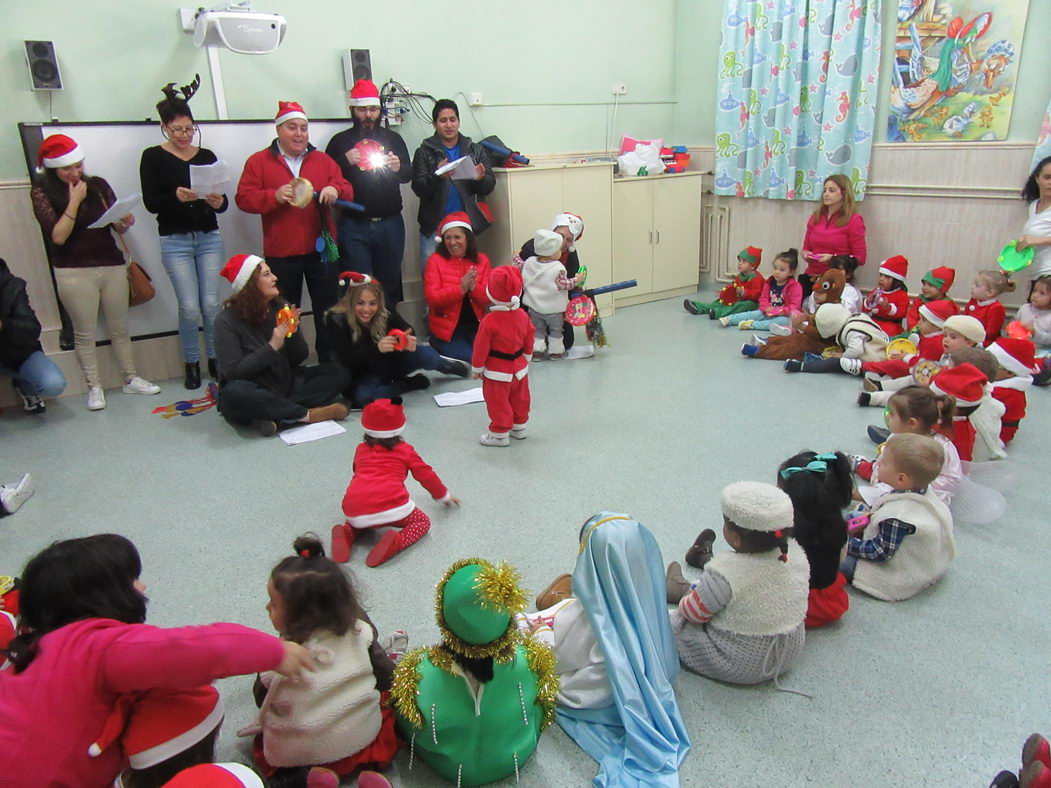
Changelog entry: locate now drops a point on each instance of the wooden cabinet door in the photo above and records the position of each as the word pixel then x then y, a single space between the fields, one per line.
pixel 676 232
pixel 633 235
pixel 587 193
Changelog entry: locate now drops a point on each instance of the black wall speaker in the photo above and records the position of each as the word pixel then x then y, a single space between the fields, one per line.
pixel 43 65
pixel 357 64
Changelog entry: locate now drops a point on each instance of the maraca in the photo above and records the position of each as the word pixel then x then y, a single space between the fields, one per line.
pixel 287 317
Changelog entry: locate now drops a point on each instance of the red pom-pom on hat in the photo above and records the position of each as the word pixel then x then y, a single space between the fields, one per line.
pixel 384 418
pixel 896 267
pixel 289 110
pixel 364 94
pixel 239 269
pixel 58 150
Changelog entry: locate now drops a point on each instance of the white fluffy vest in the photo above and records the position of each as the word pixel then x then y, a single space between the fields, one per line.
pixel 875 337
pixel 539 286
pixel 769 597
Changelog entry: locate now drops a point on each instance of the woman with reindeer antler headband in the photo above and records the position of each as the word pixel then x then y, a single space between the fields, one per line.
pixel 191 246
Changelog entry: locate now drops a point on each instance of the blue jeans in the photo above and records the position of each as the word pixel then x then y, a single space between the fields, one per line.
pixel 37 375
pixel 375 248
pixel 427 247
pixel 192 261
pixel 460 345
pixel 761 321
pixel 374 385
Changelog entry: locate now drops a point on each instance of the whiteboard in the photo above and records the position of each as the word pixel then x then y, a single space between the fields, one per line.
pixel 112 151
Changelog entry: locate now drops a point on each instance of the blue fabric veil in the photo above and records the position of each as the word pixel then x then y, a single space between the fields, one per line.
pixel 640 739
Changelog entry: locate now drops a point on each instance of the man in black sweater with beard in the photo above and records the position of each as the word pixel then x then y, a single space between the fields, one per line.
pixel 376 162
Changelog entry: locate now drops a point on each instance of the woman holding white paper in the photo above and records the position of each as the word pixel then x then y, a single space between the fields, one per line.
pixel 191 246
pixel 89 269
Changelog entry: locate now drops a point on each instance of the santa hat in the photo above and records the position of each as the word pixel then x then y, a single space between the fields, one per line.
pixel 896 267
pixel 1015 355
pixel 216 775
pixel 289 110
pixel 966 326
pixel 937 312
pixel 364 94
pixel 58 150
pixel 547 243
pixel 830 319
pixel 757 506
pixel 504 288
pixel 457 219
pixel 384 418
pixel 965 384
pixel 239 268
pixel 157 724
pixel 354 279
pixel 941 277
pixel 573 222
pixel 751 254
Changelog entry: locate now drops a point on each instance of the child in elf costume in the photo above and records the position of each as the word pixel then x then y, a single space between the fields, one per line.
pixel 741 295
pixel 933 287
pixel 474 705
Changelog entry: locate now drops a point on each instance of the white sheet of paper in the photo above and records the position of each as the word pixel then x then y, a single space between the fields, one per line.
pixel 210 178
pixel 580 351
pixel 117 211
pixel 462 169
pixel 449 398
pixel 311 432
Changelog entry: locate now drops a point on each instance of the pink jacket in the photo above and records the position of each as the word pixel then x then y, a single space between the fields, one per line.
pixel 56 708
pixel 791 296
pixel 825 236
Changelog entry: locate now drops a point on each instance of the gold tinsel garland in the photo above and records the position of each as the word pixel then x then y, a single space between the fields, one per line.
pixel 503 648
pixel 406 678
pixel 543 664
pixel 500 590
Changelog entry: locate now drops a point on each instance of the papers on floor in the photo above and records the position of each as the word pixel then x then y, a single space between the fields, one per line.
pixel 311 432
pixel 462 169
pixel 580 351
pixel 117 211
pixel 210 178
pixel 450 398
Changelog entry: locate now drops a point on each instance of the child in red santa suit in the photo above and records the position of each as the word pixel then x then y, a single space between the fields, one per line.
pixel 888 303
pixel 1017 361
pixel 376 496
pixel 985 304
pixel 502 350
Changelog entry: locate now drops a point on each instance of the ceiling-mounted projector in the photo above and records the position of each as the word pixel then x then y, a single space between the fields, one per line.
pixel 237 27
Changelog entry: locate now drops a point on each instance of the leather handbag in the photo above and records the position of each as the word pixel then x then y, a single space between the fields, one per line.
pixel 140 285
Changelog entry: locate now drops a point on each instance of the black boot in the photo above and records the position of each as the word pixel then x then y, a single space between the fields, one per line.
pixel 193 375
pixel 213 369
pixel 412 383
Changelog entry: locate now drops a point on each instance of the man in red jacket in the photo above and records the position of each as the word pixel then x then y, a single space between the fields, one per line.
pixel 290 233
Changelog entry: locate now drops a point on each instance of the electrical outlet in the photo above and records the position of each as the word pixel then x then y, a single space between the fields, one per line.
pixel 619 88
pixel 474 99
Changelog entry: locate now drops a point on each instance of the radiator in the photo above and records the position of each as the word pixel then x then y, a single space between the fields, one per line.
pixel 715 255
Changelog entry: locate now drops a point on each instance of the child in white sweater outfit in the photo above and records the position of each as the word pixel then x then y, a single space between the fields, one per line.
pixel 546 292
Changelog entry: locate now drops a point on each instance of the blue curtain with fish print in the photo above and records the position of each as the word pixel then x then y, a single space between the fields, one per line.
pixel 797 96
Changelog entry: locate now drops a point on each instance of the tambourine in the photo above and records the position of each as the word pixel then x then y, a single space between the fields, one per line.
pixel 1011 259
pixel 580 311
pixel 906 347
pixel 1016 329
pixel 924 371
pixel 372 155
pixel 401 339
pixel 286 317
pixel 302 192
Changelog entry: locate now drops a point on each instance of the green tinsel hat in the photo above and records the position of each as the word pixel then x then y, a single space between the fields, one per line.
pixel 475 607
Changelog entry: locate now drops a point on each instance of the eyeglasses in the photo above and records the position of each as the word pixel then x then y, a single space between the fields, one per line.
pixel 182 130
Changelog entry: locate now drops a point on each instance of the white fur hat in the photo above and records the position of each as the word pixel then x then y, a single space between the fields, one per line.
pixel 547 243
pixel 967 326
pixel 757 506
pixel 830 319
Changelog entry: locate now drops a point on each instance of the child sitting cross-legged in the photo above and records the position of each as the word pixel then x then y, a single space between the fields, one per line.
pixel 782 295
pixel 908 542
pixel 741 295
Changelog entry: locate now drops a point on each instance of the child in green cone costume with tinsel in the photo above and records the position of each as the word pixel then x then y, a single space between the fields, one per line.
pixel 741 295
pixel 473 706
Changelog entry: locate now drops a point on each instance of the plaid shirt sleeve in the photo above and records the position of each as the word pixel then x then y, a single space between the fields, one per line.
pixel 882 547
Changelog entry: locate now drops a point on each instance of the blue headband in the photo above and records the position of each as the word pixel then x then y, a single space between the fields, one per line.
pixel 818 465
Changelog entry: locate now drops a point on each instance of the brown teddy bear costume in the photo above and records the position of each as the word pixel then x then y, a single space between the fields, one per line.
pixel 828 288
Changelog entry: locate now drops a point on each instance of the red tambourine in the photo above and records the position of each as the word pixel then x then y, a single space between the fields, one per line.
pixel 580 311
pixel 401 339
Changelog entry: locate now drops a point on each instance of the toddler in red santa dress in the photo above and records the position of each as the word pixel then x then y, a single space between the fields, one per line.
pixel 500 359
pixel 376 496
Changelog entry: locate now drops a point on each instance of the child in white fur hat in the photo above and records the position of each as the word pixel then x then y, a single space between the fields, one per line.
pixel 742 622
pixel 545 291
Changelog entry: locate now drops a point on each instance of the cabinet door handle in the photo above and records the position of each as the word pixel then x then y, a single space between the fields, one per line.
pixel 658 236
pixel 651 237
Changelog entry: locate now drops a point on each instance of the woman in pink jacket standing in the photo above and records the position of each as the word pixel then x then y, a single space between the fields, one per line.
pixel 834 228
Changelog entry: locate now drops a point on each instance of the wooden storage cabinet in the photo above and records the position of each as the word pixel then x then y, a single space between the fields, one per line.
pixel 656 236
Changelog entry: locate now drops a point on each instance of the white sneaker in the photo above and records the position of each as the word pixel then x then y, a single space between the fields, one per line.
pixel 137 385
pixel 781 331
pixel 724 321
pixel 96 398
pixel 12 496
pixel 494 440
pixel 519 433
pixel 758 341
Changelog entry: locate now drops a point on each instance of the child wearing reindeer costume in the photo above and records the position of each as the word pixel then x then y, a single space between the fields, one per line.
pixel 502 350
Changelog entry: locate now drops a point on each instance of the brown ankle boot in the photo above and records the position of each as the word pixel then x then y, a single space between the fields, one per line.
pixel 700 551
pixel 677 586
pixel 337 411
pixel 561 588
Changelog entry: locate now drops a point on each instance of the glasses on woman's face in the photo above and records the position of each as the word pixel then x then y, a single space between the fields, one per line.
pixel 185 131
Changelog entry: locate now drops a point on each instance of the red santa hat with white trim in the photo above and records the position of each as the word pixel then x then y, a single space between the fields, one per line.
pixel 457 219
pixel 353 279
pixel 504 288
pixel 58 150
pixel 239 268
pixel 965 384
pixel 1015 355
pixel 384 418
pixel 937 312
pixel 364 94
pixel 289 110
pixel 215 775
pixel 896 267
pixel 158 724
